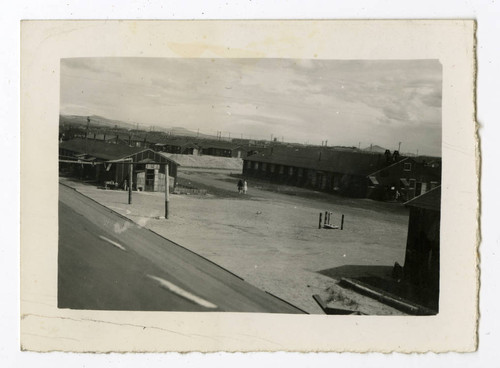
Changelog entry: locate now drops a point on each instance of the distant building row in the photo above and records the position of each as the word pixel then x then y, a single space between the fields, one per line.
pixel 346 171
pixel 160 143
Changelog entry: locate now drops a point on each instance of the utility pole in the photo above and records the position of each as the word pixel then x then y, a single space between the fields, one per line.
pixel 167 198
pixel 130 173
pixel 399 147
pixel 87 134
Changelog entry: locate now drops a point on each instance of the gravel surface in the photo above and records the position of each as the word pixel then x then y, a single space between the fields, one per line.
pixel 272 239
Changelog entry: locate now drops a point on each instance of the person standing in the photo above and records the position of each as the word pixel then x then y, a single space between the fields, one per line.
pixel 240 186
pixel 245 187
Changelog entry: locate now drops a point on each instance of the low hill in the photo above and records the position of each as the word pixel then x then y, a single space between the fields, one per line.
pixel 375 149
pixel 95 120
pixel 180 131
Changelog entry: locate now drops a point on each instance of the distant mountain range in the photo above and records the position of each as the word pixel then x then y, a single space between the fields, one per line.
pixel 95 120
pixel 99 121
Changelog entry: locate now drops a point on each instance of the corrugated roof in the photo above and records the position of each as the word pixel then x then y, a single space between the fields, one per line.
pixel 323 159
pixel 430 200
pixel 100 149
pixel 212 162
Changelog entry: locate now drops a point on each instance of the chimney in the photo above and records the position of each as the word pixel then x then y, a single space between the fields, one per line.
pixel 395 156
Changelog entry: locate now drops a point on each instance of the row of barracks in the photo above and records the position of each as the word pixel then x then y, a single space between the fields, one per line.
pixel 161 143
pixel 349 172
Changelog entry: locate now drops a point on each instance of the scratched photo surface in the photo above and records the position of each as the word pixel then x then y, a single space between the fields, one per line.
pixel 269 185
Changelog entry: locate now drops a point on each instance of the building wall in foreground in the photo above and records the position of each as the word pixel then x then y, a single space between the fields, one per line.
pixel 421 267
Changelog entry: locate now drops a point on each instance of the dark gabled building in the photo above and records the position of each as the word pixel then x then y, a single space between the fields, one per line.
pixel 336 170
pixel 221 149
pixel 404 179
pixel 421 267
pixel 106 163
pixel 177 145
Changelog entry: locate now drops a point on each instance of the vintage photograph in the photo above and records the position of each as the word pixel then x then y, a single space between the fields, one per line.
pixel 266 185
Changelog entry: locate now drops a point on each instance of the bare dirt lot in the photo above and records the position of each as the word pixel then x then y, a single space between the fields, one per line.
pixel 270 236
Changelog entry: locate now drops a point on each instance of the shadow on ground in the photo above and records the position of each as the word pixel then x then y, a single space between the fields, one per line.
pixel 357 271
pixel 380 278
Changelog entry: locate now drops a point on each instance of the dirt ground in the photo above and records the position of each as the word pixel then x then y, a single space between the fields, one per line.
pixel 270 236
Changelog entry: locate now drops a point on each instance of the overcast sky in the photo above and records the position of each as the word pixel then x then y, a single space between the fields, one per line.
pixel 344 102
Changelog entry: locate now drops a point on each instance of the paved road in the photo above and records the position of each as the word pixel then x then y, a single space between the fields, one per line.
pixel 109 263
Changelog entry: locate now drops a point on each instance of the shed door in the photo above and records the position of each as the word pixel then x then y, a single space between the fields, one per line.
pixel 150 180
pixel 319 180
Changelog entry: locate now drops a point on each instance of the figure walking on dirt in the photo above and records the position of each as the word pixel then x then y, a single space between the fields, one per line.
pixel 245 187
pixel 240 186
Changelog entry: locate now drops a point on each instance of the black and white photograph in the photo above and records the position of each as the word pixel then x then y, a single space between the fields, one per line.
pixel 266 185
pixel 248 186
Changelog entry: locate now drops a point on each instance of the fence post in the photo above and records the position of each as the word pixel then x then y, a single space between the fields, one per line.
pixel 342 223
pixel 320 214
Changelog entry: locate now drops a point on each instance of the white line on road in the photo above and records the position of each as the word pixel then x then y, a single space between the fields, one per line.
pixel 175 289
pixel 115 208
pixel 112 242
